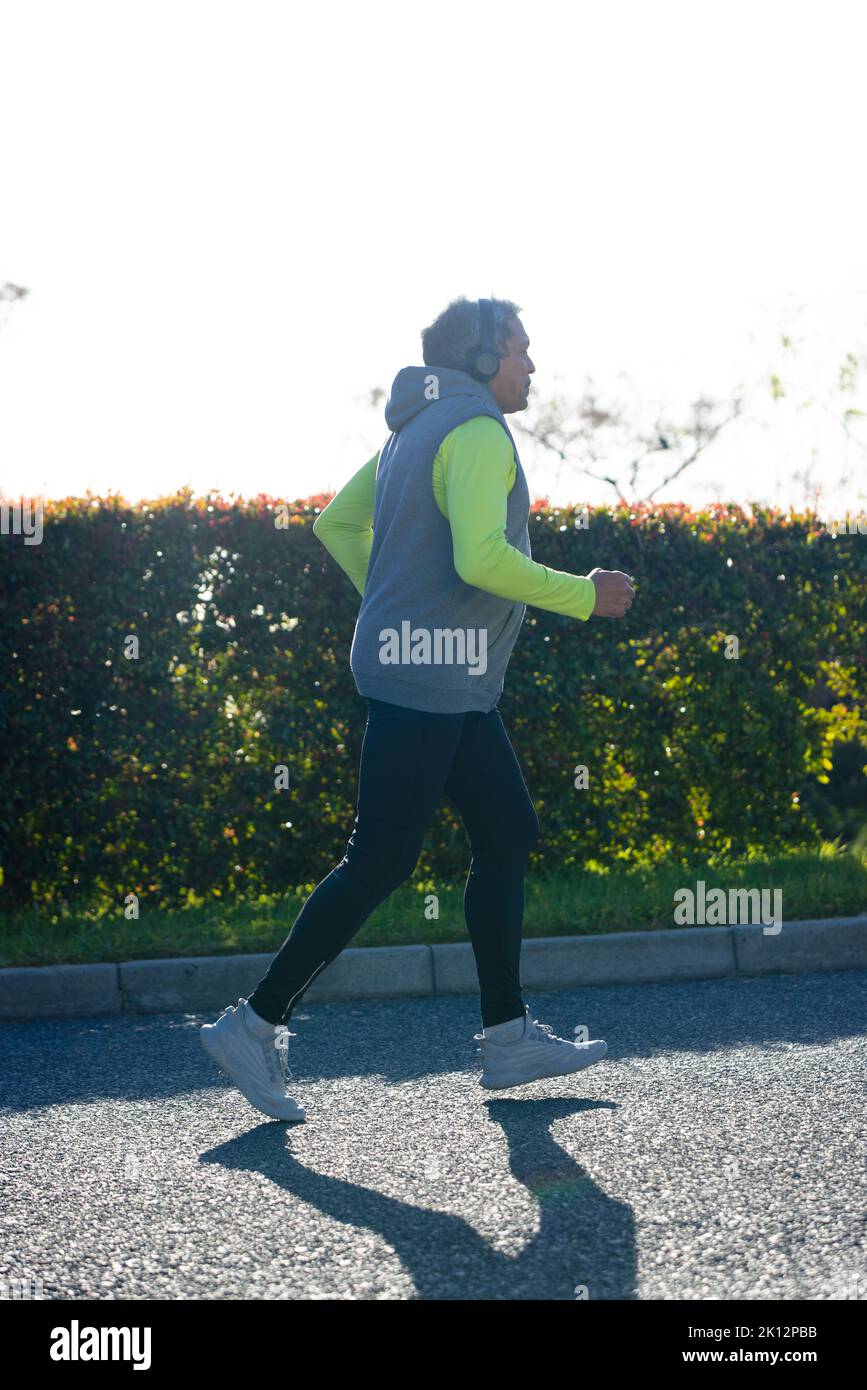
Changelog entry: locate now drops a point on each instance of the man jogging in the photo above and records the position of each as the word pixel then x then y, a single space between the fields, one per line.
pixel 432 531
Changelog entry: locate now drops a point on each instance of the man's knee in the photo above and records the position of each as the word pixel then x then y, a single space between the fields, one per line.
pixel 403 865
pixel 382 871
pixel 525 837
pixel 532 829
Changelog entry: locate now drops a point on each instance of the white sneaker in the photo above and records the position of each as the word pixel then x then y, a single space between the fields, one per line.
pixel 257 1063
pixel 537 1053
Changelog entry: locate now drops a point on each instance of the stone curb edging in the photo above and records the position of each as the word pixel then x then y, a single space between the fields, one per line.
pixel 204 984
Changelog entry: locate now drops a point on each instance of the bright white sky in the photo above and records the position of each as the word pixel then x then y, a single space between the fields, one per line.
pixel 235 218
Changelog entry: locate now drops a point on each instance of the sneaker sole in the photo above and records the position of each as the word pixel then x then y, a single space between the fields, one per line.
pixel 214 1050
pixel 584 1060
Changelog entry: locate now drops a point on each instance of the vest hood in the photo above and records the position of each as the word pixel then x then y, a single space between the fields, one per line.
pixel 415 388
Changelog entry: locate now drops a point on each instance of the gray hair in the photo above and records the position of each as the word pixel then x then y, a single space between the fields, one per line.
pixel 446 341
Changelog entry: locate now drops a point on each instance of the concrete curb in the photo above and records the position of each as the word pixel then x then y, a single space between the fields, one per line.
pixel 205 984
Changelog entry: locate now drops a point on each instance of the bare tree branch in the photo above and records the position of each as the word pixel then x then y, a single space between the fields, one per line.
pixel 707 438
pixel 593 421
pixel 9 295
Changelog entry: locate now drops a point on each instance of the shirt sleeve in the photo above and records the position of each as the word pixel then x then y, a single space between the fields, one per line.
pixel 345 526
pixel 478 463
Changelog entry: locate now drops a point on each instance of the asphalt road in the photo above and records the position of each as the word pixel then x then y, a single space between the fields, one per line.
pixel 717 1152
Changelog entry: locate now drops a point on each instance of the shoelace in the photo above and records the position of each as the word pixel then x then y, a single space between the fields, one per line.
pixel 281 1044
pixel 546 1032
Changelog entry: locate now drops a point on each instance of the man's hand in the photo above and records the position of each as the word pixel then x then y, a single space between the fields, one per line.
pixel 614 593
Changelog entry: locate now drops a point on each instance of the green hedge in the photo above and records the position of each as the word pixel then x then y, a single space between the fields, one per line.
pixel 156 775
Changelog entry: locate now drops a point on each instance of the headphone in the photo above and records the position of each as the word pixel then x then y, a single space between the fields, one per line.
pixel 483 362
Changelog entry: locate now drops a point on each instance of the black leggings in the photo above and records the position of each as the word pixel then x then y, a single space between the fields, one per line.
pixel 409 759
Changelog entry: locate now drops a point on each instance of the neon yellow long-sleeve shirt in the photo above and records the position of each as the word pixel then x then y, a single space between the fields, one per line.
pixel 473 473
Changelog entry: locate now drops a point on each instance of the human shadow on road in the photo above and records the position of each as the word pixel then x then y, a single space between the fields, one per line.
pixel 584 1246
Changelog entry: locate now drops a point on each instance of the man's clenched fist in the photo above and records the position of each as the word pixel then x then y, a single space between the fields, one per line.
pixel 614 593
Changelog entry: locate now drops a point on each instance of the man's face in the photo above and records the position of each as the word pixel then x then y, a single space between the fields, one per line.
pixel 510 388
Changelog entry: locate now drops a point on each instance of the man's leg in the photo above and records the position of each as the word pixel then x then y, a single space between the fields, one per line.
pixel 488 788
pixel 405 758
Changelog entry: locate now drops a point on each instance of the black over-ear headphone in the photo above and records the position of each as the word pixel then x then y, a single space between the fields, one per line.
pixel 483 362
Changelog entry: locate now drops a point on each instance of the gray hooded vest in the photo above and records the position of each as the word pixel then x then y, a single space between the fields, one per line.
pixel 424 638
